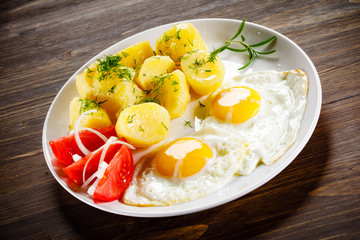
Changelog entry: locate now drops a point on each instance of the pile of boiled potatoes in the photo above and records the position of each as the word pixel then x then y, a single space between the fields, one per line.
pixel 141 90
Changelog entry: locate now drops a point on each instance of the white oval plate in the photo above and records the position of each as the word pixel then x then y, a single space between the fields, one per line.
pixel 214 32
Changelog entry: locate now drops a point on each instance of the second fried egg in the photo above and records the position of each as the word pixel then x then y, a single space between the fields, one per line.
pixel 185 169
pixel 264 110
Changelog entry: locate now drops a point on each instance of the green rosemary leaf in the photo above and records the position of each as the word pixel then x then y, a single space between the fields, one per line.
pixel 263 42
pixel 236 49
pixel 248 63
pixel 249 48
pixel 239 30
pixel 266 53
pixel 214 53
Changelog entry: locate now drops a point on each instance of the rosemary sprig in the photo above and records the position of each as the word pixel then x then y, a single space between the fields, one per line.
pixel 245 47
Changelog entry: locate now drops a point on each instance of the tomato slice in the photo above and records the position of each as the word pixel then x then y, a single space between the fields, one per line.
pixel 76 169
pixel 65 147
pixel 117 176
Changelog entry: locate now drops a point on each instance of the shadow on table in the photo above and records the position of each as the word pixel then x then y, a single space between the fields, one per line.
pixel 253 215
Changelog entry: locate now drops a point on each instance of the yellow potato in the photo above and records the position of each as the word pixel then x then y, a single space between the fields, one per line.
pixel 131 57
pixel 203 73
pixel 154 67
pixel 85 79
pixel 136 54
pixel 179 40
pixel 172 92
pixel 97 119
pixel 116 89
pixel 144 124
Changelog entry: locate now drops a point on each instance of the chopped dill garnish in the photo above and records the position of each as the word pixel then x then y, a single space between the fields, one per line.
pixel 130 118
pixel 153 94
pixel 177 34
pixel 88 70
pixel 124 54
pixel 187 124
pixel 125 74
pixel 112 89
pixel 141 129
pixel 165 38
pixel 108 65
pixel 137 67
pixel 197 64
pixel 165 126
pixel 87 104
pixel 180 58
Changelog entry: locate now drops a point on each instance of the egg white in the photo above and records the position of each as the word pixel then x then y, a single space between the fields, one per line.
pixel 237 148
pixel 274 128
pixel 149 188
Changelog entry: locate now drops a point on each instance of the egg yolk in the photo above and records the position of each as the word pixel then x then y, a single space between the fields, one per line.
pixel 182 158
pixel 236 105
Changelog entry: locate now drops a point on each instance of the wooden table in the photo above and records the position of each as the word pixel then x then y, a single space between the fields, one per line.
pixel 42 43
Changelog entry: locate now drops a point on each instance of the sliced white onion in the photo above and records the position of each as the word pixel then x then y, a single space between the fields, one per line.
pixel 81 146
pixel 99 173
pixel 105 147
pixel 111 141
pixel 126 144
pixel 76 157
pixel 86 164
pixel 92 188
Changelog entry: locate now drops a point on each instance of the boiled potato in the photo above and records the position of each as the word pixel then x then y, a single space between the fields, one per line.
pixel 172 92
pixel 97 119
pixel 179 40
pixel 85 79
pixel 116 89
pixel 144 124
pixel 136 54
pixel 205 74
pixel 154 67
pixel 131 57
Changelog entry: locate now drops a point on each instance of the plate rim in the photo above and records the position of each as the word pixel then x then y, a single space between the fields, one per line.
pixel 267 178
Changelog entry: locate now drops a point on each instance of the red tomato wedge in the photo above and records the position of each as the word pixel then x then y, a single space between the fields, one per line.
pixel 117 176
pixel 75 171
pixel 65 147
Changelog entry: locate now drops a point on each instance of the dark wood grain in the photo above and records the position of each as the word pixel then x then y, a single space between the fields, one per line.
pixel 42 43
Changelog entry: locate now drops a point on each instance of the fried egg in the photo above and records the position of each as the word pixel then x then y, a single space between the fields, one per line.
pixel 185 169
pixel 251 119
pixel 263 110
